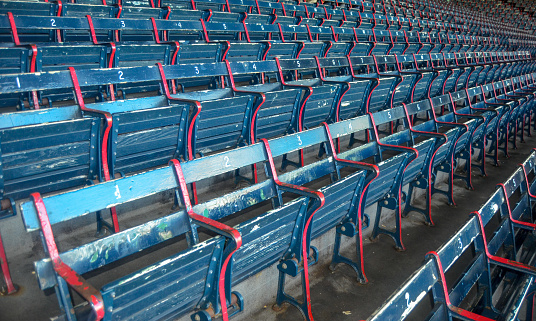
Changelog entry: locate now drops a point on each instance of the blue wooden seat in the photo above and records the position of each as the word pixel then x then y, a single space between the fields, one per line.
pixel 12 61
pixel 95 11
pixel 398 39
pixel 443 158
pixel 424 78
pixel 418 173
pixel 357 89
pixel 525 102
pixel 341 196
pixel 476 69
pixel 455 73
pixel 522 86
pixel 197 269
pixel 61 57
pixel 424 283
pixel 36 34
pixel 508 131
pixel 474 135
pixel 276 112
pixel 382 42
pixel 132 55
pixel 498 112
pixel 64 161
pixel 436 64
pixel 364 42
pixel 384 92
pixel 324 96
pixel 385 190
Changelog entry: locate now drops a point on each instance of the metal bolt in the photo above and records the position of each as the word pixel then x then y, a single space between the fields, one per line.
pixel 343 228
pixel 385 202
pixel 110 309
pixel 284 265
pixel 197 318
pixel 418 183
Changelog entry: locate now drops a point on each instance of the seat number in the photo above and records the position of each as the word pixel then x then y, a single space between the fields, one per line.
pixel 117 192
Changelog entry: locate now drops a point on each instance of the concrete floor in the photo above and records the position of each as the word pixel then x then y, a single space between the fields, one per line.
pixel 335 295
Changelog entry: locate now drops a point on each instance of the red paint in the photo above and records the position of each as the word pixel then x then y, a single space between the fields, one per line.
pixel 205 33
pixel 526 224
pixel 13 28
pixel 246 32
pixel 119 10
pixel 527 268
pixel 410 149
pixel 354 76
pixel 462 312
pixel 104 151
pixel 73 279
pixel 32 69
pixel 192 124
pixel 233 233
pixel 376 171
pixel 430 166
pixel 305 251
pixel 58 32
pixel 308 95
pixel 5 269
pixel 254 116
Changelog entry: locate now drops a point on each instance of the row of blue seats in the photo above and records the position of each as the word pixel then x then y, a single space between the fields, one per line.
pixel 57 57
pixel 303 9
pixel 475 12
pixel 291 225
pixel 69 29
pixel 502 266
pixel 220 17
pixel 213 11
pixel 141 133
